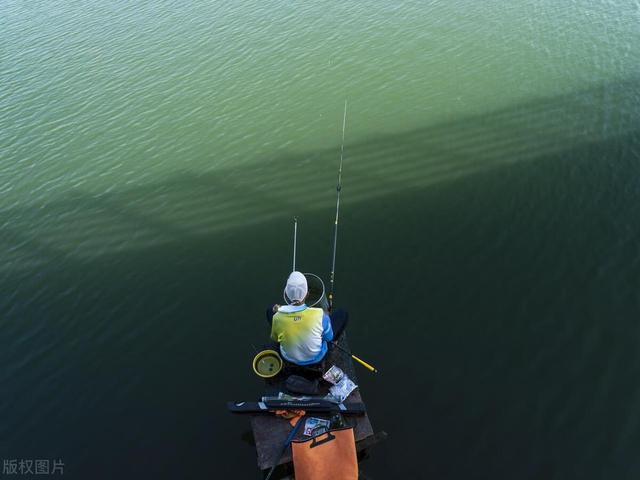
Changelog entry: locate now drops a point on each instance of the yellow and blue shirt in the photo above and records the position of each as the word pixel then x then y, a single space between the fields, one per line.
pixel 302 332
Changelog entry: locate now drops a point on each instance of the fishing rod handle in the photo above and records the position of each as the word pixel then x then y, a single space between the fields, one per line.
pixel 371 368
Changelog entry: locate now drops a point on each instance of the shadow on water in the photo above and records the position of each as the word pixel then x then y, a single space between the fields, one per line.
pixel 190 206
pixel 497 249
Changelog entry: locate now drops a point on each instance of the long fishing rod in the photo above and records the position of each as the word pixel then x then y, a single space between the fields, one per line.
pixel 335 243
pixel 287 442
pixel 335 227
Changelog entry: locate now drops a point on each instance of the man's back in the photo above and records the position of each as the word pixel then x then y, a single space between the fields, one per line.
pixel 302 333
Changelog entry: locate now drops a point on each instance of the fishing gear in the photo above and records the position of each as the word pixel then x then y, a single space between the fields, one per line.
pixel 295 239
pixel 267 363
pixel 293 431
pixel 298 384
pixel 368 366
pixel 335 228
pixel 315 406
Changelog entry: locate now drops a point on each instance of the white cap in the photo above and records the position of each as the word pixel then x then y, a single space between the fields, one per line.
pixel 296 289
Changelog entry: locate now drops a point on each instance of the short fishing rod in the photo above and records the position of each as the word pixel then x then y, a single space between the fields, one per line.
pixel 295 238
pixel 335 227
pixel 366 365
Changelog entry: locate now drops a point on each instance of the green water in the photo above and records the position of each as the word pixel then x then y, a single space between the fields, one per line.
pixel 152 158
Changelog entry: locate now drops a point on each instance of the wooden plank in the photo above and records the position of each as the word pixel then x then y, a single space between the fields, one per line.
pixel 371 440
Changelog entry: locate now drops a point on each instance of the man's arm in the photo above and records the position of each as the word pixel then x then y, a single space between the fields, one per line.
pixel 274 336
pixel 327 330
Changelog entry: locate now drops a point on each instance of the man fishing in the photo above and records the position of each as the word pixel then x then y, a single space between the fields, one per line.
pixel 302 331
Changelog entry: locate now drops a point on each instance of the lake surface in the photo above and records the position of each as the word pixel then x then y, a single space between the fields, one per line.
pixel 153 156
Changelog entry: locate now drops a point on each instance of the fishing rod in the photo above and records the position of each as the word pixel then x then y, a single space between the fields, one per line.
pixel 335 227
pixel 287 442
pixel 295 238
pixel 366 365
pixel 335 244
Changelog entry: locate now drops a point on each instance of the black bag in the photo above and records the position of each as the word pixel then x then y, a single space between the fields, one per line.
pixel 298 384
